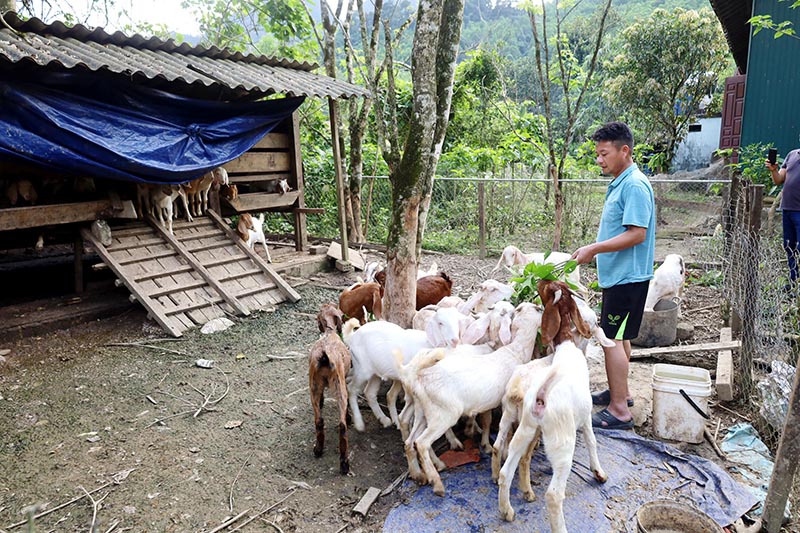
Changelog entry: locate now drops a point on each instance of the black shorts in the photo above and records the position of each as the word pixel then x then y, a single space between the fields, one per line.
pixel 623 307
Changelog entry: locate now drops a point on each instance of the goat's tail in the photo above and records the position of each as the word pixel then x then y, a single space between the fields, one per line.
pixel 348 328
pixel 561 420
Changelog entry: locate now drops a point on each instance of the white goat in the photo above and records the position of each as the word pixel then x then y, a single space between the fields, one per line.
pixel 557 403
pixel 162 198
pixel 372 347
pixel 421 317
pixel 667 281
pixel 446 388
pixel 491 292
pixel 492 328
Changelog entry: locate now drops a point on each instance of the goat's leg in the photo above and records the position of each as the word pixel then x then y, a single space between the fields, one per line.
pixel 591 445
pixel 344 452
pixel 525 467
pixel 438 463
pixel 518 446
pixel 434 430
pixel 414 470
pixel 406 417
pixel 371 392
pixel 455 444
pixel 353 388
pixel 266 248
pixel 391 401
pixel 485 420
pixel 501 443
pixel 561 459
pixel 185 203
pixel 317 400
pixel 471 427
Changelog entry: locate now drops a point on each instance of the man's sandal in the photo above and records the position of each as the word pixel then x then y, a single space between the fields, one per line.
pixel 604 398
pixel 605 420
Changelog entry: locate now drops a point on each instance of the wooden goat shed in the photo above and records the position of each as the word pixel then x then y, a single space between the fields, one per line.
pixel 190 291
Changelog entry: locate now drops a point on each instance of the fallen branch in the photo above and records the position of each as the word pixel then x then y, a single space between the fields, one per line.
pixel 160 420
pixel 113 526
pixel 117 479
pixel 95 503
pixel 393 485
pixel 298 313
pixel 150 346
pixel 297 355
pixel 731 411
pixel 229 522
pixel 268 509
pixel 710 438
pixel 331 287
pixel 273 524
pixel 295 392
pixel 704 308
pixel 230 495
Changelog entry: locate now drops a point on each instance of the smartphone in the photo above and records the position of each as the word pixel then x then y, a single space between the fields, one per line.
pixel 772 156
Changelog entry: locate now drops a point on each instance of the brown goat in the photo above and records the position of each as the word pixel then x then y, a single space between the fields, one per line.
pixel 560 312
pixel 431 289
pixel 328 365
pixel 356 299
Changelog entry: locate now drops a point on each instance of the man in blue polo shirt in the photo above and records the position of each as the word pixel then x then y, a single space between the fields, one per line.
pixel 625 249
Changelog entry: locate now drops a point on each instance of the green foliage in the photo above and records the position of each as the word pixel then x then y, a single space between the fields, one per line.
pixel 525 284
pixel 710 278
pixel 765 22
pixel 750 163
pixel 667 64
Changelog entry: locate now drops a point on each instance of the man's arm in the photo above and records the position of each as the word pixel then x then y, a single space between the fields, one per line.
pixel 778 175
pixel 630 237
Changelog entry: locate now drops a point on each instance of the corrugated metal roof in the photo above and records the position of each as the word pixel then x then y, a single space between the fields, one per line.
pixel 733 15
pixel 79 47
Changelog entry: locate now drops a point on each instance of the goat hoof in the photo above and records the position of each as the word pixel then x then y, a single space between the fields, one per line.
pixel 438 489
pixel 508 516
pixel 317 451
pixel 344 467
pixel 386 423
pixel 600 476
pixel 529 496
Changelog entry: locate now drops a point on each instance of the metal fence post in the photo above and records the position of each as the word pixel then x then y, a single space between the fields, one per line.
pixel 481 221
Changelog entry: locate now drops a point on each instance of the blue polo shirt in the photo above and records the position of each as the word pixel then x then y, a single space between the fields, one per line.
pixel 629 202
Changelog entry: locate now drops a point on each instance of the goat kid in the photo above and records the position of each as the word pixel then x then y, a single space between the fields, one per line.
pixel 491 292
pixel 557 403
pixel 162 198
pixel 362 299
pixel 251 231
pixel 445 388
pixel 328 366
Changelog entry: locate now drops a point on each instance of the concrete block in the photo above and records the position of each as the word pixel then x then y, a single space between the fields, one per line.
pixel 724 382
pixel 317 249
pixel 343 266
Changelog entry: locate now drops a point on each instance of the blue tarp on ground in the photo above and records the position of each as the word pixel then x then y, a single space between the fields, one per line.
pixel 636 471
pixel 101 129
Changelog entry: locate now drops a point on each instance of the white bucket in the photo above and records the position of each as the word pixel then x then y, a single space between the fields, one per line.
pixel 674 418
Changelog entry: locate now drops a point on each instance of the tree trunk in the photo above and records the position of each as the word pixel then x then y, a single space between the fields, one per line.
pixel 8 5
pixel 435 42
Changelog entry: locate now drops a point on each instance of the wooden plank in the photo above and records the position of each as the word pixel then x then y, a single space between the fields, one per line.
pixel 356 259
pixel 641 353
pixel 262 201
pixel 254 290
pixel 199 268
pixel 284 287
pixel 261 177
pixel 198 222
pixel 199 235
pixel 154 275
pixel 300 227
pixel 242 274
pixel 272 141
pixel 724 379
pixel 141 259
pixel 132 286
pixel 366 501
pixel 178 287
pixel 259 162
pixel 225 260
pixel 134 231
pixel 131 244
pixel 209 246
pixel 196 305
pixel 48 215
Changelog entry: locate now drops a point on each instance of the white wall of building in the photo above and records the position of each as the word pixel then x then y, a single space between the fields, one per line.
pixel 696 149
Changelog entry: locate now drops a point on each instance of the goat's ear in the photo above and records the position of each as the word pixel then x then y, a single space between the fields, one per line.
pixel 338 319
pixel 551 323
pixel 476 330
pixel 321 322
pixel 433 333
pixel 581 325
pixel 505 329
pixel 377 304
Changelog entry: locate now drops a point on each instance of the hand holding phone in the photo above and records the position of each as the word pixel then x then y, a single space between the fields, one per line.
pixel 772 156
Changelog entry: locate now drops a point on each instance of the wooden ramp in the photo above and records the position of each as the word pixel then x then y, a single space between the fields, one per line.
pixel 202 271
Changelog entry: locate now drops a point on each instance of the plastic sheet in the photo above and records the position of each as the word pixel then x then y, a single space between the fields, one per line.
pixel 637 474
pixel 80 126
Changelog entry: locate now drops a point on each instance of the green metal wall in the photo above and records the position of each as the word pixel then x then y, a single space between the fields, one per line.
pixel 772 97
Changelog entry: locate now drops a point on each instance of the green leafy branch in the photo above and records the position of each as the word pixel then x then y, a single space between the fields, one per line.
pixel 525 283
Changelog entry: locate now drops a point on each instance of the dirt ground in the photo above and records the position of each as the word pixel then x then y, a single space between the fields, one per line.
pixel 78 414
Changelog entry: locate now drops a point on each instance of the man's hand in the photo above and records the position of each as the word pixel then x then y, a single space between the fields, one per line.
pixel 584 254
pixel 772 167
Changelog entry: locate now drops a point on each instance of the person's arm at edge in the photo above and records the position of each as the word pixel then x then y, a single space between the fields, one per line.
pixel 778 175
pixel 630 237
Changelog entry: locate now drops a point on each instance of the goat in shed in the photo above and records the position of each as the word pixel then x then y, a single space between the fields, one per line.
pixel 251 230
pixel 328 365
pixel 556 404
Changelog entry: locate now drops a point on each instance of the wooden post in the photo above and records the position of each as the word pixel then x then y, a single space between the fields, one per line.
pixel 481 221
pixel 296 162
pixel 753 195
pixel 78 247
pixel 780 484
pixel 333 107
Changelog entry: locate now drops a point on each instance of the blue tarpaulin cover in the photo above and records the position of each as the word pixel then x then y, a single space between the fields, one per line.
pixel 636 474
pixel 102 129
